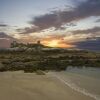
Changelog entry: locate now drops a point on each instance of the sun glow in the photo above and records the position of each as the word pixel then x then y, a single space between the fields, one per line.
pixel 53 43
pixel 57 43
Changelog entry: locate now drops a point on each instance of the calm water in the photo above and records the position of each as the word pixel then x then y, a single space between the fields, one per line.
pixel 84 80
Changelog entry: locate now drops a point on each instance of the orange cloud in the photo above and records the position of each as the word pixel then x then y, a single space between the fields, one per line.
pixel 57 43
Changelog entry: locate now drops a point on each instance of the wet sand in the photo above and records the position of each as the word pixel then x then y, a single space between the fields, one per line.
pixel 24 86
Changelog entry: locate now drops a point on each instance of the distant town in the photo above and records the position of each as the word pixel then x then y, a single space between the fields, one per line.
pixel 38 46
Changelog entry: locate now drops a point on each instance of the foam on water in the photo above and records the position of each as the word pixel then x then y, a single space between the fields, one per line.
pixel 75 87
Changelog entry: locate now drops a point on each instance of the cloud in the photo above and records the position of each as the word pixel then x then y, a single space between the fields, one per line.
pixel 93 31
pixel 3 25
pixel 88 34
pixel 58 18
pixel 27 30
pixel 64 37
pixel 48 40
pixel 4 35
pixel 89 45
pixel 98 20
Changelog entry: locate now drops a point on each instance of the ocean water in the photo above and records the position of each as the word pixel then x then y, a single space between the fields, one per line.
pixel 84 80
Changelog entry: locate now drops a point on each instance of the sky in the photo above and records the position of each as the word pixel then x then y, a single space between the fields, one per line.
pixel 56 23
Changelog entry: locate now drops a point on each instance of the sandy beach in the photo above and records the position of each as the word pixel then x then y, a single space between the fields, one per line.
pixel 25 86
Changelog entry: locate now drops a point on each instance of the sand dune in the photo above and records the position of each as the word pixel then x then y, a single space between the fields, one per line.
pixel 23 86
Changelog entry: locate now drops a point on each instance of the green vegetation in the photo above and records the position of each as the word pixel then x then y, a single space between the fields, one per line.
pixel 46 60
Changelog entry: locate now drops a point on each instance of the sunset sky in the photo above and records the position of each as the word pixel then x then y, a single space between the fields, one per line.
pixel 56 23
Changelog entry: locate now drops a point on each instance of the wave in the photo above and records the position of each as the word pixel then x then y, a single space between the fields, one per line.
pixel 75 87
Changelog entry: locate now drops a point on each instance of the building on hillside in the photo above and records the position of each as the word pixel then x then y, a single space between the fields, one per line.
pixel 29 46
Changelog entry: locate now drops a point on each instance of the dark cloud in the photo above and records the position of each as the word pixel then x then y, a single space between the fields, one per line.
pixel 4 35
pixel 92 30
pixel 88 34
pixel 58 18
pixel 89 45
pixel 33 29
pixel 98 20
pixel 27 30
pixel 3 25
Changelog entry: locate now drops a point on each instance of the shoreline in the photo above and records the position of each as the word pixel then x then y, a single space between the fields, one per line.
pixel 29 86
pixel 73 86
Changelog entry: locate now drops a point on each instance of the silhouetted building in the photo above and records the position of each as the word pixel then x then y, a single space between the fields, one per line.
pixel 14 44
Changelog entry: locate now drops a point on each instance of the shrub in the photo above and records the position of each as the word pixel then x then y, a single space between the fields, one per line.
pixel 2 68
pixel 40 72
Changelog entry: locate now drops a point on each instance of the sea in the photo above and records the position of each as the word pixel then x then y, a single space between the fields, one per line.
pixel 82 79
